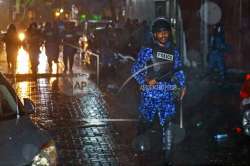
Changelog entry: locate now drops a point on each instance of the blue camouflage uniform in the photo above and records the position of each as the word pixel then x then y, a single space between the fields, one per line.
pixel 158 99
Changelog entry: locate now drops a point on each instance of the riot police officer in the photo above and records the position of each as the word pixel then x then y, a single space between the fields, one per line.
pixel 34 41
pixel 12 45
pixel 52 42
pixel 158 71
pixel 70 45
pixel 218 47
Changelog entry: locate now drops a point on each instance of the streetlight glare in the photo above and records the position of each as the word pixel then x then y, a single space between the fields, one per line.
pixel 57 14
pixel 21 36
pixel 61 10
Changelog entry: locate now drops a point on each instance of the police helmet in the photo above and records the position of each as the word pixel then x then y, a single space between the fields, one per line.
pixel 161 24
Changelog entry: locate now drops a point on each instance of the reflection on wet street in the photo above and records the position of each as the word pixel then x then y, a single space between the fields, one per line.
pixel 24 89
pixel 78 142
pixel 69 118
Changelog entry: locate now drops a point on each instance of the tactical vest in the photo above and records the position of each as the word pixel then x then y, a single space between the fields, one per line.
pixel 161 65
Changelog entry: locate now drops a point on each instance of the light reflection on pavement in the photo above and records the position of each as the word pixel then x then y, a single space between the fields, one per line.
pixel 24 89
pixel 74 121
pixel 79 142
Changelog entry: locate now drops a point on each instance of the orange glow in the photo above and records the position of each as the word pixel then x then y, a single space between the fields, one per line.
pixel 51 81
pixel 85 43
pixel 23 89
pixel 57 14
pixel 54 68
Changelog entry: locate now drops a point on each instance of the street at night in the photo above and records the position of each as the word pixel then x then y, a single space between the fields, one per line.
pixel 108 84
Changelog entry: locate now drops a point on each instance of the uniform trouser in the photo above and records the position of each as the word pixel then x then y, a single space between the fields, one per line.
pixel 165 133
pixel 68 56
pixel 52 53
pixel 34 59
pixel 216 61
pixel 11 58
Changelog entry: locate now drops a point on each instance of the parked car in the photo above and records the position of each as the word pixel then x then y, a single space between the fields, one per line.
pixel 21 141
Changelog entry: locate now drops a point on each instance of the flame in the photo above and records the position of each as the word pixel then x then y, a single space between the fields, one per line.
pixel 42 61
pixel 23 62
pixel 54 68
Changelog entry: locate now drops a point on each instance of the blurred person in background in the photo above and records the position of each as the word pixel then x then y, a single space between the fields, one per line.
pixel 12 45
pixel 34 42
pixel 218 48
pixel 52 42
pixel 70 45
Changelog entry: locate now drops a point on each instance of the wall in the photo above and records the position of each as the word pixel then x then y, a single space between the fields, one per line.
pixel 236 19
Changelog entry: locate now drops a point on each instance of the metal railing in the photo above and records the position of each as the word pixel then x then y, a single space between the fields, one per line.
pixel 97 65
pixel 92 54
